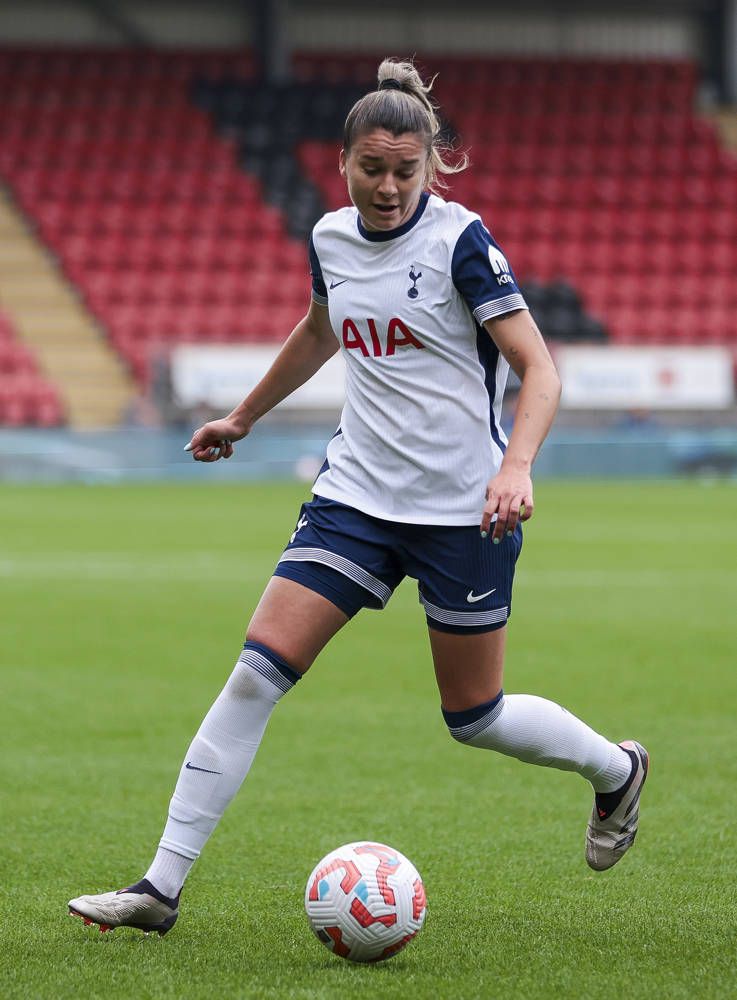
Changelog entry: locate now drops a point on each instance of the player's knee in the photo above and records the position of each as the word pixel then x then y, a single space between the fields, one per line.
pixel 466 725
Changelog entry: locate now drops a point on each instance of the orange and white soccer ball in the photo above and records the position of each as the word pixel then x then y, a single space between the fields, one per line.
pixel 365 901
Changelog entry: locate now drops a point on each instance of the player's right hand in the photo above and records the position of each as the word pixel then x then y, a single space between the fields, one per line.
pixel 215 439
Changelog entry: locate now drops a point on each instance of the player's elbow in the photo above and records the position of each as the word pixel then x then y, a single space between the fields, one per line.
pixel 543 374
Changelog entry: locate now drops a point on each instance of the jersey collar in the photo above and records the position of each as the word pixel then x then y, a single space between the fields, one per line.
pixel 382 235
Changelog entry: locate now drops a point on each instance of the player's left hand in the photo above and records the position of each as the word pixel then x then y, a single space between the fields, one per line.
pixel 214 440
pixel 509 496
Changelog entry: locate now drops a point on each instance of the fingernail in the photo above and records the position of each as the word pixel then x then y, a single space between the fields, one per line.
pixel 496 540
pixel 213 450
pixel 188 447
pixel 509 533
pixel 484 534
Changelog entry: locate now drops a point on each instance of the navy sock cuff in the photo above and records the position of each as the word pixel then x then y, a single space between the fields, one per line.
pixel 454 720
pixel 281 665
pixel 466 725
pixel 608 801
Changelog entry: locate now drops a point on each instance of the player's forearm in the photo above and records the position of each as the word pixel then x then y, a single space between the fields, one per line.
pixel 304 352
pixel 536 408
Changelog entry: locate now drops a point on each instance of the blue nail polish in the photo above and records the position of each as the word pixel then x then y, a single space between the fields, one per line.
pixel 496 540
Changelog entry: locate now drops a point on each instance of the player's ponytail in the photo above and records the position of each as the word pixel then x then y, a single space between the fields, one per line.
pixel 401 103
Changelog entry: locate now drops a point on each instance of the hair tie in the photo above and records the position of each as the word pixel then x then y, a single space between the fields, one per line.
pixel 390 84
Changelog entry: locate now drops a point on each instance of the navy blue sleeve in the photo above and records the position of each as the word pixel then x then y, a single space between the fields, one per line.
pixel 319 291
pixel 482 275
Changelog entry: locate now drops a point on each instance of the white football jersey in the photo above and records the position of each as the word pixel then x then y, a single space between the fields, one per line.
pixel 420 434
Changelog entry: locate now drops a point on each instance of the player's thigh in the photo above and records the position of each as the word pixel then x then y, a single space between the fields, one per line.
pixel 294 621
pixel 469 668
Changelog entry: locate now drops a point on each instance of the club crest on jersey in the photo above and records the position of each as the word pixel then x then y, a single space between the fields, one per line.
pixel 374 344
pixel 414 277
pixel 500 267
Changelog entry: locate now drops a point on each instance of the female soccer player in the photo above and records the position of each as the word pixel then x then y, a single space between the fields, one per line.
pixel 419 480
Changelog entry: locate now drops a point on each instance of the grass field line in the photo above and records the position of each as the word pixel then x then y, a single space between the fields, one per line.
pixel 204 566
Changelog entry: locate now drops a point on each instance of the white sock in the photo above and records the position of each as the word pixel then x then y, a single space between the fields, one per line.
pixel 538 731
pixel 168 872
pixel 218 761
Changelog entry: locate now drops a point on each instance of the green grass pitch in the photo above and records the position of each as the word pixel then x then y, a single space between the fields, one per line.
pixel 122 614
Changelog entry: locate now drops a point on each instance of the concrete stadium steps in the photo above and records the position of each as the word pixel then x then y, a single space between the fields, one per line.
pixel 48 315
pixel 726 121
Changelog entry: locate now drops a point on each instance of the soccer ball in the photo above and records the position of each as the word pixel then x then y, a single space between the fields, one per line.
pixel 365 901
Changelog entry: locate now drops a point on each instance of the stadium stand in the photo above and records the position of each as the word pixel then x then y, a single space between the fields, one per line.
pixel 53 324
pixel 176 191
pixel 143 205
pixel 26 397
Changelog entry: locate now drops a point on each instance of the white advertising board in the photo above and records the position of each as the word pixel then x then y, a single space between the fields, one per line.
pixel 220 377
pixel 657 378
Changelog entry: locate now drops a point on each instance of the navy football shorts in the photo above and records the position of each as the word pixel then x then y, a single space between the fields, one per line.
pixel 356 561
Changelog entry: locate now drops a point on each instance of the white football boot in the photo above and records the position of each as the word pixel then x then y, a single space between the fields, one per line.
pixel 610 834
pixel 140 905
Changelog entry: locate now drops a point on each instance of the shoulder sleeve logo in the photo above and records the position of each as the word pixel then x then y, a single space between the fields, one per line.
pixel 499 266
